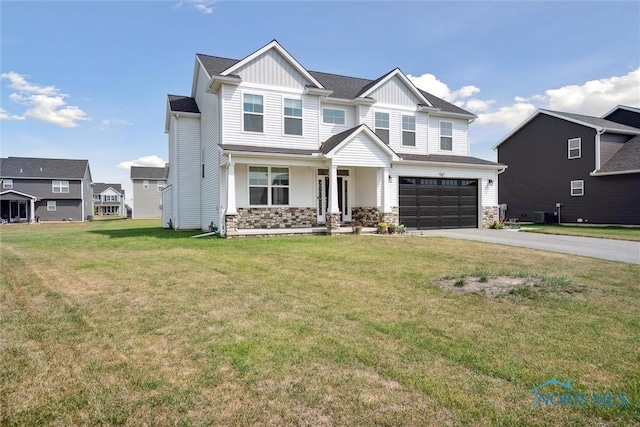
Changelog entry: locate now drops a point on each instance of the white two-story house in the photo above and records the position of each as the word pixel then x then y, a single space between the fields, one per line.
pixel 263 143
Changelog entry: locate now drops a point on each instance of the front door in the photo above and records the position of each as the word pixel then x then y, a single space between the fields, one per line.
pixel 343 198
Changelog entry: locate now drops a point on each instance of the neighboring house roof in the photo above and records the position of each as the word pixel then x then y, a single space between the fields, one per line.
pixel 183 104
pixel 100 187
pixel 626 159
pixel 621 107
pixel 34 168
pixel 147 172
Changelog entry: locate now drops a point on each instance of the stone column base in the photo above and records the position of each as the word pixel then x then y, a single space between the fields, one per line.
pixel 490 214
pixel 231 223
pixel 333 222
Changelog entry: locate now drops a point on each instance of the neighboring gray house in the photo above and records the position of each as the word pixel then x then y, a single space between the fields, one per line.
pixel 108 199
pixel 588 165
pixel 148 183
pixel 45 189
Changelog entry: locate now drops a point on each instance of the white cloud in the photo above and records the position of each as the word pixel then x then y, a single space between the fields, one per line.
pixel 6 116
pixel 45 103
pixel 108 123
pixel 152 161
pixel 430 83
pixel 510 116
pixel 202 6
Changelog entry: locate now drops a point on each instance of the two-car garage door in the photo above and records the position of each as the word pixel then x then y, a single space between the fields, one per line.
pixel 438 203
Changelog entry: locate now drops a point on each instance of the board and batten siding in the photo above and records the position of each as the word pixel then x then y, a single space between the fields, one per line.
pixel 187 190
pixel 395 92
pixel 361 151
pixel 208 104
pixel 609 144
pixel 273 131
pixel 327 130
pixel 460 136
pixel 272 69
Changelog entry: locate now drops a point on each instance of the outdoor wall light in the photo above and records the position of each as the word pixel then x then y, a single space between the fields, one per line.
pixel 490 181
pixel 390 179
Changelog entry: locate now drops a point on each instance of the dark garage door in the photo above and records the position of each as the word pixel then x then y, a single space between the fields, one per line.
pixel 438 203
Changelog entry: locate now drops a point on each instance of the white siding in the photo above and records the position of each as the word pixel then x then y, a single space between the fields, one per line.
pixel 460 136
pixel 327 130
pixel 366 187
pixel 273 135
pixel 167 207
pixel 361 151
pixel 273 69
pixel 187 191
pixel 395 92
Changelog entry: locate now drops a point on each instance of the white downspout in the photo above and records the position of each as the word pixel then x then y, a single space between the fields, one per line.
pixel 598 133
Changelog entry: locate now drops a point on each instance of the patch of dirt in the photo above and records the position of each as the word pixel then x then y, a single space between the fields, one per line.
pixel 490 286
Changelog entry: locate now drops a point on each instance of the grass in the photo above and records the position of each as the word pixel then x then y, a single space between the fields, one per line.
pixel 123 323
pixel 607 232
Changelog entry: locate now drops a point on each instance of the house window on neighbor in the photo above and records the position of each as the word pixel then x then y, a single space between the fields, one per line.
pixel 161 185
pixel 51 205
pixel 409 130
pixel 253 108
pixel 292 116
pixel 446 136
pixel 333 116
pixel 574 147
pixel 268 186
pixel 7 184
pixel 382 126
pixel 145 184
pixel 60 186
pixel 577 188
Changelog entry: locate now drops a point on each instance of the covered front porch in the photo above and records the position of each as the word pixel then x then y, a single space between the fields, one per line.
pixel 17 207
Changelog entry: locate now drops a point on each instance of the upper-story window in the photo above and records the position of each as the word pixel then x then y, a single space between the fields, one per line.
pixel 60 186
pixel 382 126
pixel 110 198
pixel 574 148
pixel 253 107
pixel 7 183
pixel 161 185
pixel 334 116
pixel 96 197
pixel 409 130
pixel 292 116
pixel 446 136
pixel 145 184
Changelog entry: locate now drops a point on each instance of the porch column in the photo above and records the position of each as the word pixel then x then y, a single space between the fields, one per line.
pixel 231 189
pixel 333 190
pixel 385 191
pixel 32 208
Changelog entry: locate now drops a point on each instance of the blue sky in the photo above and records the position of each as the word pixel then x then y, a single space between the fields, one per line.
pixel 89 79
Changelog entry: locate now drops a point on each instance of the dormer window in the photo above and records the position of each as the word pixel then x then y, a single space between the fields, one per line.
pixel 253 107
pixel 575 148
pixel 409 130
pixel 292 116
pixel 382 126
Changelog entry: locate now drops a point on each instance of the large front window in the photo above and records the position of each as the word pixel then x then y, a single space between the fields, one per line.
pixel 409 130
pixel 268 186
pixel 60 186
pixel 253 107
pixel 446 136
pixel 382 126
pixel 292 116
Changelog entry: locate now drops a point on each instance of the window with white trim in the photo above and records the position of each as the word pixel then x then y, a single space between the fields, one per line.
pixel 253 111
pixel 161 185
pixel 382 126
pixel 7 183
pixel 574 146
pixel 60 186
pixel 334 116
pixel 51 205
pixel 577 188
pixel 292 116
pixel 409 130
pixel 110 198
pixel 446 136
pixel 145 184
pixel 97 197
pixel 268 186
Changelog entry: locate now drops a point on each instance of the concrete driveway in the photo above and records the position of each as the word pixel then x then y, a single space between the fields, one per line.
pixel 614 250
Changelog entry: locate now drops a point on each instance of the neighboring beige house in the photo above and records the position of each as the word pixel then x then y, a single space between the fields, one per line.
pixel 148 183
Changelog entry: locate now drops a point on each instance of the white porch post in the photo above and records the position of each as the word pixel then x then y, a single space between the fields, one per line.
pixel 385 191
pixel 231 189
pixel 333 190
pixel 32 208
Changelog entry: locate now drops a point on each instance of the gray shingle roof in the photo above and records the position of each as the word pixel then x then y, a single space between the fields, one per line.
pixel 443 158
pixel 184 104
pixel 147 172
pixel 627 158
pixel 31 167
pixel 271 150
pixel 343 87
pixel 99 187
pixel 598 122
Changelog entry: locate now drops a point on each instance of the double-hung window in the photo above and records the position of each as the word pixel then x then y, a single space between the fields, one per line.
pixel 268 186
pixel 382 126
pixel 333 116
pixel 292 116
pixel 51 205
pixel 446 136
pixel 7 183
pixel 253 107
pixel 577 188
pixel 145 184
pixel 60 186
pixel 409 130
pixel 574 148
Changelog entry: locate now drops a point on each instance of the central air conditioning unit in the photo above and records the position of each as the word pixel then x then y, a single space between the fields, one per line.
pixel 542 217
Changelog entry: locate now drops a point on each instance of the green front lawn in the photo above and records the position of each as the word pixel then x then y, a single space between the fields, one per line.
pixel 123 323
pixel 606 232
